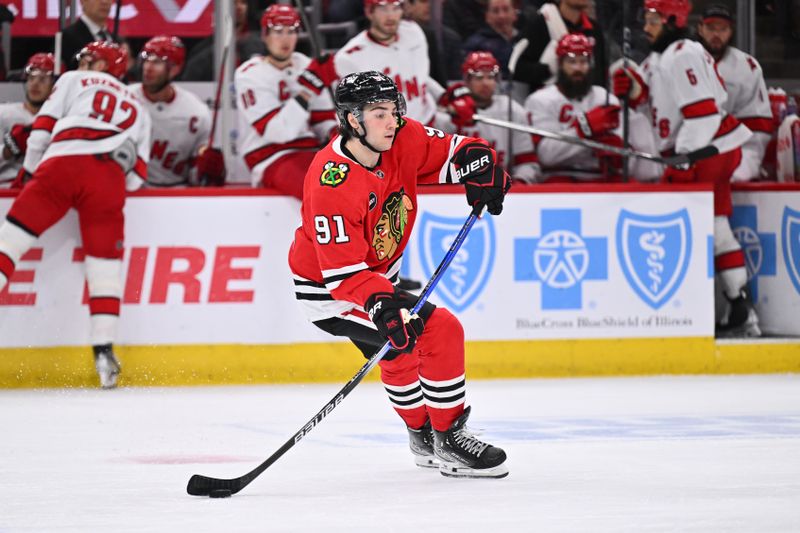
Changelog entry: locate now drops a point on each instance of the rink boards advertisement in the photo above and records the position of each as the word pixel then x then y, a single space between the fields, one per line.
pixel 203 269
pixel 766 221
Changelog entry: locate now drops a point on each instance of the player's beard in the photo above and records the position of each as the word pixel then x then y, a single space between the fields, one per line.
pixel 573 89
pixel 716 53
pixel 156 86
pixel 35 103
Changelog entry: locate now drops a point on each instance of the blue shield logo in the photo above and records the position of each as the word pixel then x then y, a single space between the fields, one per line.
pixel 790 242
pixel 468 273
pixel 654 252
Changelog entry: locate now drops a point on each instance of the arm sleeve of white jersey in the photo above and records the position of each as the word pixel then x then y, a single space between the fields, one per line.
pixel 552 152
pixel 51 111
pixel 692 87
pixel 435 89
pixel 322 116
pixel 443 121
pixel 273 120
pixel 137 176
pixel 343 63
pixel 525 166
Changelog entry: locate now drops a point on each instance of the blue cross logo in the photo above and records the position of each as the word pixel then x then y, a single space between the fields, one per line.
pixel 760 252
pixel 561 259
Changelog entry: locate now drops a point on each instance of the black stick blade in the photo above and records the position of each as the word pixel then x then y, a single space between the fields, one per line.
pixel 202 485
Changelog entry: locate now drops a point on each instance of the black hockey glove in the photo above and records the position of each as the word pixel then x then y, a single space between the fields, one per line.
pixel 390 313
pixel 486 182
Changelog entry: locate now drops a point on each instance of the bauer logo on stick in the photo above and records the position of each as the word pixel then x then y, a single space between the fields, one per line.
pixel 334 175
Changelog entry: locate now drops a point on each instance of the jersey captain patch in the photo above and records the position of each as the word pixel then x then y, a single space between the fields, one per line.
pixel 333 174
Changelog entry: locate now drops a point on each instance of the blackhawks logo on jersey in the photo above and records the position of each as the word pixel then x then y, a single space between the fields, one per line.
pixel 391 226
pixel 334 175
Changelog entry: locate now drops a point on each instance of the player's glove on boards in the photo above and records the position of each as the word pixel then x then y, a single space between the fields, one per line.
pixel 678 175
pixel 390 313
pixel 211 167
pixel 486 183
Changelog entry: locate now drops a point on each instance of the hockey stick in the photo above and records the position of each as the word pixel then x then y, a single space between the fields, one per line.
pixel 227 33
pixel 115 31
pixel 626 53
pixel 679 160
pixel 203 486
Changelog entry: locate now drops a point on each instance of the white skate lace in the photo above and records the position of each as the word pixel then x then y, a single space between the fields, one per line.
pixel 469 443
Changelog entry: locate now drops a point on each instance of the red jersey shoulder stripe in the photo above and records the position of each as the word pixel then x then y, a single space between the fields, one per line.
pixel 261 124
pixel 44 122
pixel 702 108
pixel 258 155
pixel 760 124
pixel 83 134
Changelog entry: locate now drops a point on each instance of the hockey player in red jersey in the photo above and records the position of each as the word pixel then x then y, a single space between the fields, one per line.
pixel 90 139
pixel 679 85
pixel 359 207
pixel 181 121
pixel 16 118
pixel 281 124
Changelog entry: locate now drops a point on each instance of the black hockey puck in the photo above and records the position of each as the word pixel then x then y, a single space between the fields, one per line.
pixel 220 493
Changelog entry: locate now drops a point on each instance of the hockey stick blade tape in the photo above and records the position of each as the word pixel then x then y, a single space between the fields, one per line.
pixel 220 493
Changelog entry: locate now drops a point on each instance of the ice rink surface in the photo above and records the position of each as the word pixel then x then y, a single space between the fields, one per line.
pixel 700 453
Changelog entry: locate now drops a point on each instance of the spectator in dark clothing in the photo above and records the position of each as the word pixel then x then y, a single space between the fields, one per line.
pixel 445 60
pixel 536 62
pixel 345 11
pixel 498 34
pixel 91 26
pixel 465 16
pixel 200 64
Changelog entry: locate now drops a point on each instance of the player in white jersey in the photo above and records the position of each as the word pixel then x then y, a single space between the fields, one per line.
pixel 90 139
pixel 281 124
pixel 748 99
pixel 576 108
pixel 16 118
pixel 390 45
pixel 477 94
pixel 181 121
pixel 680 87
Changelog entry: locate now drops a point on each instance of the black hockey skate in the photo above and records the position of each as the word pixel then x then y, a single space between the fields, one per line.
pixel 421 443
pixel 106 365
pixel 742 320
pixel 463 455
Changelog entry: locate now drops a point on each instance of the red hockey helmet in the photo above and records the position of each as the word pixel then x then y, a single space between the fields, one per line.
pixel 280 16
pixel 115 57
pixel 679 9
pixel 41 62
pixel 164 48
pixel 575 44
pixel 479 62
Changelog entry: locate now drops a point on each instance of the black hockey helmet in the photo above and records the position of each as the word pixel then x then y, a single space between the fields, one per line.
pixel 358 90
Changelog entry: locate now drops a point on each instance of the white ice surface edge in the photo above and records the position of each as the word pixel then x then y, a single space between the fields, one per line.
pixel 616 454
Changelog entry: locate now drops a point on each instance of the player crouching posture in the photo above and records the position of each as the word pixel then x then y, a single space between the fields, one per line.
pixel 359 206
pixel 90 139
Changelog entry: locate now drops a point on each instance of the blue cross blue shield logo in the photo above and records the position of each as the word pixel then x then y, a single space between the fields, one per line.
pixel 467 275
pixel 759 247
pixel 790 242
pixel 654 253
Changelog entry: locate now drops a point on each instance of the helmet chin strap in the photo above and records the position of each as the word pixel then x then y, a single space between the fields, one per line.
pixel 363 138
